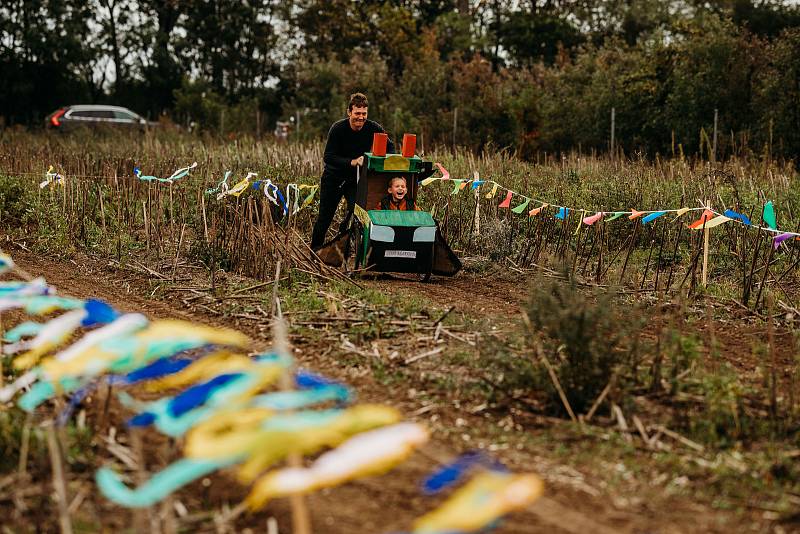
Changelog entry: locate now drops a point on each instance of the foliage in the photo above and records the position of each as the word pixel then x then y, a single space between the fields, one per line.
pixel 587 340
pixel 13 202
pixel 528 76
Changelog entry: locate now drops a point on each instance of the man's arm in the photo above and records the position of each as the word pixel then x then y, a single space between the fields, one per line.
pixel 332 157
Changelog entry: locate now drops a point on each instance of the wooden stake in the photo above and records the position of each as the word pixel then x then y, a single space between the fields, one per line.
pixel 301 521
pixel 706 239
pixel 171 214
pixel 22 469
pixel 205 221
pixel 102 208
pixel 178 252
pixel 773 379
pixel 146 225
pixel 59 484
pixel 141 516
pixel 275 302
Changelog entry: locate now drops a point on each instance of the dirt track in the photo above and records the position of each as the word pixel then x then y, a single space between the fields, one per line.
pixel 390 502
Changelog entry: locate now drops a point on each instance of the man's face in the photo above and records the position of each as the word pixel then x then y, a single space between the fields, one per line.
pixel 357 116
pixel 398 190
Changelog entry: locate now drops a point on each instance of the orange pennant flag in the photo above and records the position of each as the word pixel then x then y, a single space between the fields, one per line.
pixel 535 211
pixel 704 218
pixel 506 203
pixel 635 214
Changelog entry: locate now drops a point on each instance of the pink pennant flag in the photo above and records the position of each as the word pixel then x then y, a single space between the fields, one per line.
pixel 506 203
pixel 704 218
pixel 635 214
pixel 535 211
pixel 445 174
pixel 778 239
pixel 593 218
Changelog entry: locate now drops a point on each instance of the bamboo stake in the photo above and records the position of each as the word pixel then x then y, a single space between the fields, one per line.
pixel 140 515
pixel 301 520
pixel 22 467
pixel 59 484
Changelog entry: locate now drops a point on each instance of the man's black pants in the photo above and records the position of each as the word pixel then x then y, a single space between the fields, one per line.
pixel 331 191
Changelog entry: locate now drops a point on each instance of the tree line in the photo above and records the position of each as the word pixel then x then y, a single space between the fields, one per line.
pixel 528 76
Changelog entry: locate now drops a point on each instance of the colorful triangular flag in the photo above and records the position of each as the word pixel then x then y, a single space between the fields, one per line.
pixel 506 203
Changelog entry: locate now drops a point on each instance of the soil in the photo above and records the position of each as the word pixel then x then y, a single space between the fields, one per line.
pixel 574 502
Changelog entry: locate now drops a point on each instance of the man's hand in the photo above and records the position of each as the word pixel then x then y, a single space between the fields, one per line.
pixel 357 162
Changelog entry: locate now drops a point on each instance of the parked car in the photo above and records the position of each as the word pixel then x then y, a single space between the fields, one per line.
pixel 94 116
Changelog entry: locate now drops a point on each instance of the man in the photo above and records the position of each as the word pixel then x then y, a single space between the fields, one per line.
pixel 348 139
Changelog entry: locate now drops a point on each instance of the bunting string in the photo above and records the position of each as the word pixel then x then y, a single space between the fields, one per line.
pixel 708 220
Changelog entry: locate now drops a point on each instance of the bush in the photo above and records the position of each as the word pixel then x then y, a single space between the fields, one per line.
pixel 585 337
pixel 13 201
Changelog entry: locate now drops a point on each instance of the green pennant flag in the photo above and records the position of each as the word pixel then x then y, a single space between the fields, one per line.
pixel 457 186
pixel 769 215
pixel 616 216
pixel 521 207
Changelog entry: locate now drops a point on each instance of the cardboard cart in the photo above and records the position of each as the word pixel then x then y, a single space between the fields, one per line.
pixel 391 240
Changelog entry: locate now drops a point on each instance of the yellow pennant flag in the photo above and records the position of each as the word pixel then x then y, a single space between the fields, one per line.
pixel 580 221
pixel 362 215
pixel 716 221
pixel 483 500
pixel 370 453
pixel 491 193
pixel 239 188
pixel 310 197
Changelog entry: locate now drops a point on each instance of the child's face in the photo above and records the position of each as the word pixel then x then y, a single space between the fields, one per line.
pixel 397 189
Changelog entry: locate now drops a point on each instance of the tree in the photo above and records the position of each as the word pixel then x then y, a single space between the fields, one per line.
pixel 45 57
pixel 230 44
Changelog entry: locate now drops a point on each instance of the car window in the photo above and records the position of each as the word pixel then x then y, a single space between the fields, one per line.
pixel 127 115
pixel 92 114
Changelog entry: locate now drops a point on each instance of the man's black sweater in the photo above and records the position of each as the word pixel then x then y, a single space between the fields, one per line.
pixel 345 144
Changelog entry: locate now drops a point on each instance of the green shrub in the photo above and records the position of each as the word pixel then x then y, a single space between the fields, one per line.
pixel 586 337
pixel 13 201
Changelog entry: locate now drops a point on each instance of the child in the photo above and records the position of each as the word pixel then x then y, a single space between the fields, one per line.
pixel 398 197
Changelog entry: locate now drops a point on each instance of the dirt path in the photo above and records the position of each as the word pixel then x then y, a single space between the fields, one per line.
pixel 389 503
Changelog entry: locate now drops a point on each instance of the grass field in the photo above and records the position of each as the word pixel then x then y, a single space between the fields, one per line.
pixel 596 357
